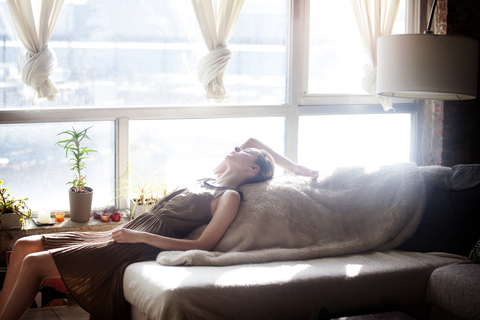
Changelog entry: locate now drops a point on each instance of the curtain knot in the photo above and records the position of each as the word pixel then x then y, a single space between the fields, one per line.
pixel 36 71
pixel 369 84
pixel 211 71
pixel 369 80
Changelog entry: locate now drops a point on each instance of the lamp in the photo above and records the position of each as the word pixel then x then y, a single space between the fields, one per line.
pixel 427 66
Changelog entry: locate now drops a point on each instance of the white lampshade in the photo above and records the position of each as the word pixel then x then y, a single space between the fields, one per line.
pixel 427 66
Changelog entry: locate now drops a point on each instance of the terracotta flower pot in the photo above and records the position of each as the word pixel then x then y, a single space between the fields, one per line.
pixel 80 205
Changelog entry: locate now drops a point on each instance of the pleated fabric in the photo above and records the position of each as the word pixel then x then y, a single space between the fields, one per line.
pixel 92 265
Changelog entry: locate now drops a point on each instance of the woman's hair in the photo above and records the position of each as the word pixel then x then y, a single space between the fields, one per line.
pixel 267 168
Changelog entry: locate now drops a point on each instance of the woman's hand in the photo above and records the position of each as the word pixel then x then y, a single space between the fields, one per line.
pixel 303 171
pixel 127 236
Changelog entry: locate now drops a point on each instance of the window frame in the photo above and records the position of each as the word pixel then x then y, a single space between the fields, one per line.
pixel 299 101
pixel 302 48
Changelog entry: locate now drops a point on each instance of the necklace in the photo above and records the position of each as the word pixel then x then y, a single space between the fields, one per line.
pixel 214 186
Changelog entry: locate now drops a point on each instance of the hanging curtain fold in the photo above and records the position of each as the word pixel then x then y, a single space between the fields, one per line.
pixel 41 60
pixel 217 20
pixel 375 18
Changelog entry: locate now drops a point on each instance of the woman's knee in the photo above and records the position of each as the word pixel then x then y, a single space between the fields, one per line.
pixel 40 264
pixel 27 245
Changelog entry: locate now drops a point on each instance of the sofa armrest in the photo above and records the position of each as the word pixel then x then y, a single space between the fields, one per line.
pixel 455 289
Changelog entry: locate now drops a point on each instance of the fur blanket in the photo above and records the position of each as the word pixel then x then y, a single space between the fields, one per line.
pixel 349 210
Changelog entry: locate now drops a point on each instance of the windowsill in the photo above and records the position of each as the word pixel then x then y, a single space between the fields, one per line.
pixel 69 225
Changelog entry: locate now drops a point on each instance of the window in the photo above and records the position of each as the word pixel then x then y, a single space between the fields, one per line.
pixel 31 166
pixel 129 68
pixel 330 141
pixel 191 148
pixel 145 53
pixel 336 52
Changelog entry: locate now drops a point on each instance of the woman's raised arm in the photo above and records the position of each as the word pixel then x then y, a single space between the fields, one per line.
pixel 280 160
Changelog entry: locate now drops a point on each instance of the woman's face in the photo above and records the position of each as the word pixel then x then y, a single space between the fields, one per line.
pixel 241 156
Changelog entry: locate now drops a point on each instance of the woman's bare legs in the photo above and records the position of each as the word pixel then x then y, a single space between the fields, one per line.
pixel 29 266
pixel 21 249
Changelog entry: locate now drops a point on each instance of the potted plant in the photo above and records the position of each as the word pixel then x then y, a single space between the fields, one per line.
pixel 79 194
pixel 146 191
pixel 13 212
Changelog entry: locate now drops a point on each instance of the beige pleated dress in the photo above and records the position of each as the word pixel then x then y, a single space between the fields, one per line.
pixel 92 264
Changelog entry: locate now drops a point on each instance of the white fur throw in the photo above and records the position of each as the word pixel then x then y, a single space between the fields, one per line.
pixel 350 210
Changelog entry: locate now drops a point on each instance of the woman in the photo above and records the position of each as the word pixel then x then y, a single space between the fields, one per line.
pixel 92 264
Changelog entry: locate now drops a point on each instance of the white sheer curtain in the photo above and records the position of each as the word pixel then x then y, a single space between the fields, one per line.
pixel 217 20
pixel 41 60
pixel 375 18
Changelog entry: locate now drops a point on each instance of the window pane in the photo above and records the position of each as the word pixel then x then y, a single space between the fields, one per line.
pixel 342 140
pixel 32 166
pixel 336 51
pixel 127 53
pixel 191 149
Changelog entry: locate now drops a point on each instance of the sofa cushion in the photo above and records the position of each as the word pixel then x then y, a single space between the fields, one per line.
pixel 463 177
pixel 434 178
pixel 475 254
pixel 282 290
pixel 456 289
pixel 450 223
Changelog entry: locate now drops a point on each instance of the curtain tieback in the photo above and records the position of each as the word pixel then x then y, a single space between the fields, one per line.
pixel 369 80
pixel 38 67
pixel 369 84
pixel 213 64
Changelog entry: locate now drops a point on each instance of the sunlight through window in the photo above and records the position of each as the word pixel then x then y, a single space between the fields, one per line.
pixel 247 275
pixel 337 55
pixel 189 149
pixel 353 270
pixel 330 141
pixel 177 276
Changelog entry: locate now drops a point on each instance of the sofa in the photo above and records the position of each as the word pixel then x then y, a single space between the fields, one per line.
pixel 353 259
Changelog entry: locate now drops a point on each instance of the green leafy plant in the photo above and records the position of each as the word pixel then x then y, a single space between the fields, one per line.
pixel 145 190
pixel 10 205
pixel 78 155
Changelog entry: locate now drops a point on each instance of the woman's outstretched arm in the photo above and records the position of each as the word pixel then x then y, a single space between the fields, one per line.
pixel 280 160
pixel 224 211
